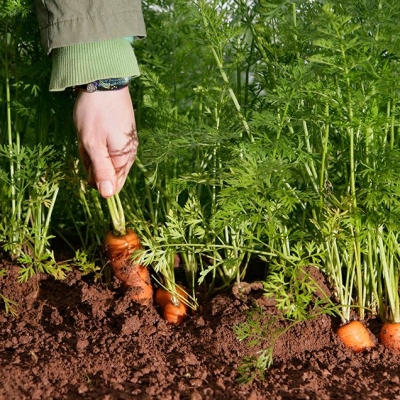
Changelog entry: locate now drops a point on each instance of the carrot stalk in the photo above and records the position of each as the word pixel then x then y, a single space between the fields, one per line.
pixel 117 214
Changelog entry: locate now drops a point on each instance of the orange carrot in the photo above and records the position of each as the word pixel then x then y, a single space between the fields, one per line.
pixel 355 336
pixel 175 314
pixel 390 336
pixel 163 296
pixel 119 250
pixel 143 292
pixel 174 310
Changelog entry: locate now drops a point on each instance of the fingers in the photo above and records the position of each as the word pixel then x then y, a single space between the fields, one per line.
pixel 107 138
pixel 122 151
pixel 108 164
pixel 99 167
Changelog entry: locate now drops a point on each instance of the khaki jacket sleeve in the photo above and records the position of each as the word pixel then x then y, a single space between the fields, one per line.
pixel 64 23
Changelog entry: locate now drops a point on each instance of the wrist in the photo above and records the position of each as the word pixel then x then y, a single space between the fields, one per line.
pixel 102 85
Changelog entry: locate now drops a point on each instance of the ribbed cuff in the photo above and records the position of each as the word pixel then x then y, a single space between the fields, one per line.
pixel 80 64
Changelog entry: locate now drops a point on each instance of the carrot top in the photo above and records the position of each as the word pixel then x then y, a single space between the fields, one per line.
pixel 117 215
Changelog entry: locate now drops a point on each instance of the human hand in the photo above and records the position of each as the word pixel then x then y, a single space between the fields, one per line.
pixel 108 141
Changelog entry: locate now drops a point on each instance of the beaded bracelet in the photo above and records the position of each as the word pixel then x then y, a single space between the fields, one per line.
pixel 105 84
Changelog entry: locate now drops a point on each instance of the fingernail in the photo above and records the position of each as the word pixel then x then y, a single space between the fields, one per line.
pixel 106 188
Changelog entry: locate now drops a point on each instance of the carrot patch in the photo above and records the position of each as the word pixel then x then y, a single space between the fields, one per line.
pixel 355 336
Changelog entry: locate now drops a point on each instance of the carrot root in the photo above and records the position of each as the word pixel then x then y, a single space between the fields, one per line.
pixel 163 296
pixel 136 277
pixel 141 287
pixel 355 336
pixel 173 313
pixel 390 336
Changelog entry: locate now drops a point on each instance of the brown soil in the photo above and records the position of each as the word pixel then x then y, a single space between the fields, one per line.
pixel 79 339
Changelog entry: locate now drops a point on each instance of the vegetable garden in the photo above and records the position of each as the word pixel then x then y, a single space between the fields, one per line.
pixel 256 241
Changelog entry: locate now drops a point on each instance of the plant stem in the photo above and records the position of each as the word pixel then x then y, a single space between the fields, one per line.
pixel 46 225
pixel 9 134
pixel 117 214
pixel 324 148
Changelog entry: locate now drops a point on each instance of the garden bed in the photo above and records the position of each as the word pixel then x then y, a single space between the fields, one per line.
pixel 80 339
pixel 269 132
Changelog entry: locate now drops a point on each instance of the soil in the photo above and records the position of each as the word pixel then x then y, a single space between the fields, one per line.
pixel 80 339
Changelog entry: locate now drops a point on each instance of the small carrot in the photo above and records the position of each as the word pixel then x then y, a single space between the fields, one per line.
pixel 390 336
pixel 355 336
pixel 163 296
pixel 175 314
pixel 174 309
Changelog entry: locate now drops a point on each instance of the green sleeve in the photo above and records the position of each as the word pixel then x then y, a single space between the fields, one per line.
pixel 80 64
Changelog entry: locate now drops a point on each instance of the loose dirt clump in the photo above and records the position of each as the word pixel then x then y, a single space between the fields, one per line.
pixel 76 339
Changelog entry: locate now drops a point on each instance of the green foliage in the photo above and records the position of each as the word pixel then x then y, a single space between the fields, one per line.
pixel 31 156
pixel 260 332
pixel 45 263
pixel 10 306
pixel 290 283
pixel 85 265
pixel 280 126
pixel 29 195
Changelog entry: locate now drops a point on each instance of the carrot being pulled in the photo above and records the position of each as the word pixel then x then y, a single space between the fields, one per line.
pixel 119 245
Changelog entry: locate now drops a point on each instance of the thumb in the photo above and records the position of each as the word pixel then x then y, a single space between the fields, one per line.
pixel 103 173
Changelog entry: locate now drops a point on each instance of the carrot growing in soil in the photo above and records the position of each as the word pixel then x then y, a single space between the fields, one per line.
pixel 119 245
pixel 173 305
pixel 355 336
pixel 389 255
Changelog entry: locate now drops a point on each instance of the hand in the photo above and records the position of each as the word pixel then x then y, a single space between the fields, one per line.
pixel 108 141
